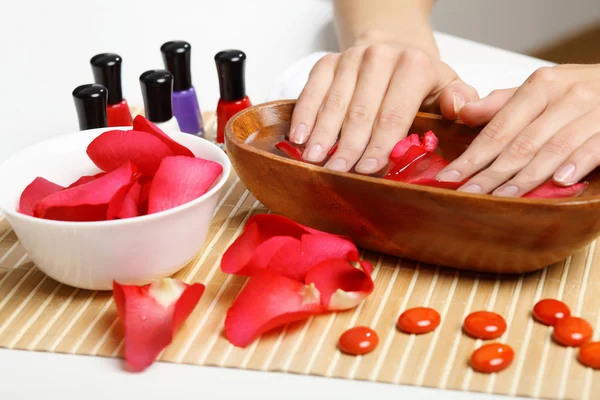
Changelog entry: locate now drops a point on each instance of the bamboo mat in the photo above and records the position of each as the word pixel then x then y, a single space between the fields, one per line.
pixel 37 313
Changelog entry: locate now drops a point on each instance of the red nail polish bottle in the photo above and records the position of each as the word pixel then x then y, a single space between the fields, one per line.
pixel 107 72
pixel 90 104
pixel 232 85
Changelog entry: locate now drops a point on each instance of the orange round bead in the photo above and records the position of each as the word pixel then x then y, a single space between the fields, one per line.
pixel 484 325
pixel 492 357
pixel 549 311
pixel 419 320
pixel 358 340
pixel 572 331
pixel 589 354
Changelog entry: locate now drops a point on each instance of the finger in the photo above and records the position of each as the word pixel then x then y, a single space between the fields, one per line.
pixel 580 163
pixel 311 98
pixel 481 112
pixel 454 97
pixel 411 81
pixel 334 107
pixel 374 76
pixel 526 105
pixel 523 149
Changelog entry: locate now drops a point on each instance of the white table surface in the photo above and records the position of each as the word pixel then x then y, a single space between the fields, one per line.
pixel 30 375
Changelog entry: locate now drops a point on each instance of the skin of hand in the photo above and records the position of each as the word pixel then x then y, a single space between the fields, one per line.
pixel 548 128
pixel 366 97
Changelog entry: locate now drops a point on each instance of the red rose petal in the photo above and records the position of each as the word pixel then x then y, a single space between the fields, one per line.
pixel 140 123
pixel 290 150
pixel 402 147
pixel 264 254
pixel 90 201
pixel 280 244
pixel 417 163
pixel 295 258
pixel 37 190
pixel 259 229
pixel 430 141
pixel 179 180
pixel 145 183
pixel 129 205
pixel 332 150
pixel 81 181
pixel 151 315
pixel 341 285
pixel 551 191
pixel 112 148
pixel 269 300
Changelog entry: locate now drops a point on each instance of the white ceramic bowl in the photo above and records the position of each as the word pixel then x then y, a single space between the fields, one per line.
pixel 90 255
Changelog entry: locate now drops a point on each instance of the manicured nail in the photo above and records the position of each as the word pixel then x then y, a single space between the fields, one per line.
pixel 471 189
pixel 449 176
pixel 368 166
pixel 299 134
pixel 337 164
pixel 459 103
pixel 507 191
pixel 315 153
pixel 565 173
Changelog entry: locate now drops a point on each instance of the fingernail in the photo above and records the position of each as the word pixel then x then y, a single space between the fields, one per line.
pixel 368 166
pixel 507 191
pixel 471 189
pixel 299 134
pixel 315 153
pixel 565 173
pixel 459 103
pixel 337 164
pixel 449 176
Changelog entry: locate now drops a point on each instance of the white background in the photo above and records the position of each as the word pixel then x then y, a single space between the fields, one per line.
pixel 46 46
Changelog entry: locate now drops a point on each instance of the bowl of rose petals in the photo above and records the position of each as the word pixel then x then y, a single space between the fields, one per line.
pixel 130 204
pixel 403 210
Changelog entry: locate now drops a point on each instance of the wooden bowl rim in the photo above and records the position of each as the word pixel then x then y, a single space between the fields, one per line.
pixel 551 203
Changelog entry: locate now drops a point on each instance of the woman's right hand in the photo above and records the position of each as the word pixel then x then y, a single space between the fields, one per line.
pixel 367 97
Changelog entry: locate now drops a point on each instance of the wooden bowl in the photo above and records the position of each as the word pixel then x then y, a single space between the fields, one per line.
pixel 438 226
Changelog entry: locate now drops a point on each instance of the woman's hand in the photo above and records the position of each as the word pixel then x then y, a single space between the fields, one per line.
pixel 547 128
pixel 368 96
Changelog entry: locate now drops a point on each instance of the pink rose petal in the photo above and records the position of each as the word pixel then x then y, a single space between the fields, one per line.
pixel 37 190
pixel 112 148
pixel 179 180
pixel 90 201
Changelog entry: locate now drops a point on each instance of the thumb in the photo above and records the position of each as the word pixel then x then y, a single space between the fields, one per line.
pixel 482 111
pixel 454 97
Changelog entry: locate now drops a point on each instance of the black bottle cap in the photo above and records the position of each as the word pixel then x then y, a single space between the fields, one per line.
pixel 230 68
pixel 176 56
pixel 157 89
pixel 107 72
pixel 90 103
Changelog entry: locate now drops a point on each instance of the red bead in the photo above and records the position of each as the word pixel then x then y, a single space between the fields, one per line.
pixel 549 311
pixel 358 341
pixel 589 354
pixel 572 331
pixel 484 325
pixel 419 320
pixel 492 357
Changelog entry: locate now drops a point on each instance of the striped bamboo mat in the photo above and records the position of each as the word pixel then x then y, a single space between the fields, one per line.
pixel 37 313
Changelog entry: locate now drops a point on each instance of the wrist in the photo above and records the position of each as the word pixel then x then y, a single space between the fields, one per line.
pixel 421 38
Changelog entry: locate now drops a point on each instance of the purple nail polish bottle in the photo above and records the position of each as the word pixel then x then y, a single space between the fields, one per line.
pixel 176 56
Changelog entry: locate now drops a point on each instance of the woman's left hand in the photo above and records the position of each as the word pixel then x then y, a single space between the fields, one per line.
pixel 547 128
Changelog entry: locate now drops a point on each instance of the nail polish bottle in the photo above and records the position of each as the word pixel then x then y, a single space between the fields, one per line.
pixel 90 104
pixel 106 68
pixel 176 56
pixel 157 90
pixel 232 86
